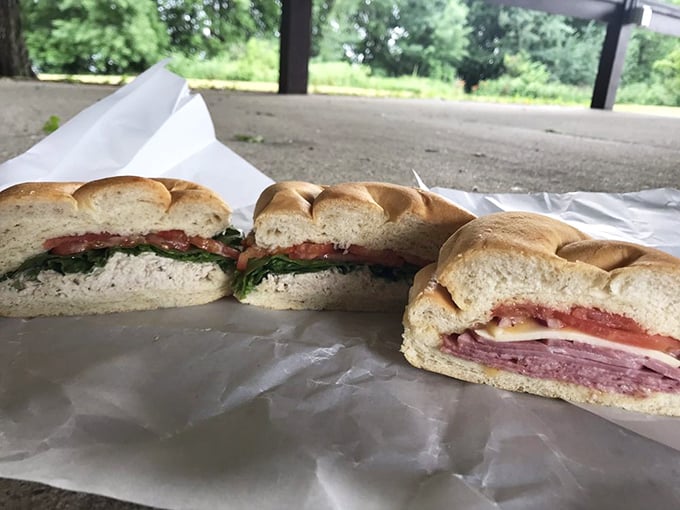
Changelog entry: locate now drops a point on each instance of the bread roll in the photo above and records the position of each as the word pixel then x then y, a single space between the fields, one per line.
pixel 374 215
pixel 374 219
pixel 33 213
pixel 508 260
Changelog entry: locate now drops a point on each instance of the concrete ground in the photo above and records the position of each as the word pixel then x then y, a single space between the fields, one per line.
pixel 470 146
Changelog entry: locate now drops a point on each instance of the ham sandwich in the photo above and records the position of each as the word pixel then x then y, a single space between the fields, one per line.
pixel 527 303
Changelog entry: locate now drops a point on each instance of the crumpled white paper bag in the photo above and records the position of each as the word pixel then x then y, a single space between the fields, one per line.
pixel 152 127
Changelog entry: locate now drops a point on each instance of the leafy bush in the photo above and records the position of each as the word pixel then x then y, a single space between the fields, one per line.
pixel 257 60
pixel 647 93
pixel 343 74
pixel 96 36
pixel 525 79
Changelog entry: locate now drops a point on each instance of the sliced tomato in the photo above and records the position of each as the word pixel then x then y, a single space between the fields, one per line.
pixel 214 246
pixel 309 251
pixel 166 239
pixel 252 252
pixel 169 240
pixel 86 238
pixel 78 244
pixel 327 251
pixel 382 257
pixel 610 326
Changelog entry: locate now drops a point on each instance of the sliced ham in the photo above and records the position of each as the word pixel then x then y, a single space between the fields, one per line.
pixel 563 360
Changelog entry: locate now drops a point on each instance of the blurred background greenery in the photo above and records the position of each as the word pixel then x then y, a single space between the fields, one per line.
pixel 454 49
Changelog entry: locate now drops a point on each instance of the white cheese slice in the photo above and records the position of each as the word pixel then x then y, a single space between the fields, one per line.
pixel 532 330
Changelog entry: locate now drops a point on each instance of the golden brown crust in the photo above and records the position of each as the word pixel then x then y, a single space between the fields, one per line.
pixel 31 213
pixel 290 196
pixel 56 191
pixel 611 255
pixel 513 231
pixel 164 191
pixel 539 236
pixel 394 200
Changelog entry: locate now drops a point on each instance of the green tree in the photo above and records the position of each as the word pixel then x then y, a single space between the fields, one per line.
pixel 321 10
pixel 97 36
pixel 435 40
pixel 668 69
pixel 484 58
pixel 336 36
pixel 569 49
pixel 646 48
pixel 398 37
pixel 207 28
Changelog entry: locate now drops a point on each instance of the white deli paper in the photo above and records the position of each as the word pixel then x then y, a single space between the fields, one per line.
pixel 231 406
pixel 153 127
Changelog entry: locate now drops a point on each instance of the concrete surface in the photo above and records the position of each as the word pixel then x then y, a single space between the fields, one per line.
pixel 471 146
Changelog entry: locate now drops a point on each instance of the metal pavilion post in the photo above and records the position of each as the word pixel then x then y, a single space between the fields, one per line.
pixel 295 50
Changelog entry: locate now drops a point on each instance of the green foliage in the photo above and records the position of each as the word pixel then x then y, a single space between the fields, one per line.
pixel 668 70
pixel 646 93
pixel 206 28
pixel 430 44
pixel 339 74
pixel 339 35
pixel 569 49
pixel 400 37
pixel 484 58
pixel 98 36
pixel 527 79
pixel 258 269
pixel 343 74
pixel 51 124
pixel 255 60
pixel 644 49
pixel 321 11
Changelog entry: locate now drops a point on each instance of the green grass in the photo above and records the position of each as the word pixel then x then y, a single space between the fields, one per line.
pixel 257 70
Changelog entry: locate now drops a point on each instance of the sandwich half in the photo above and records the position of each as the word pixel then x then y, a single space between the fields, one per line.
pixel 112 245
pixel 352 246
pixel 527 303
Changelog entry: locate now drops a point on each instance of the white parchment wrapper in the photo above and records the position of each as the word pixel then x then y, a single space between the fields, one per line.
pixel 152 127
pixel 231 406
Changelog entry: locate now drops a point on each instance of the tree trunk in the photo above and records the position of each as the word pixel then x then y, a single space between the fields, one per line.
pixel 13 55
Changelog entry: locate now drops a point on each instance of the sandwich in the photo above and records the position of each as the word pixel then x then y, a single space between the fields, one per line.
pixel 352 246
pixel 113 245
pixel 527 303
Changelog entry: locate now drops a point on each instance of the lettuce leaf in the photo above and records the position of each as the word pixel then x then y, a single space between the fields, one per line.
pixel 88 260
pixel 258 269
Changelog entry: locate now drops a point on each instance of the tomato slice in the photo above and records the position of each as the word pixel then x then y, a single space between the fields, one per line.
pixel 252 252
pixel 214 246
pixel 327 251
pixel 610 326
pixel 169 240
pixel 309 251
pixel 77 244
pixel 166 239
